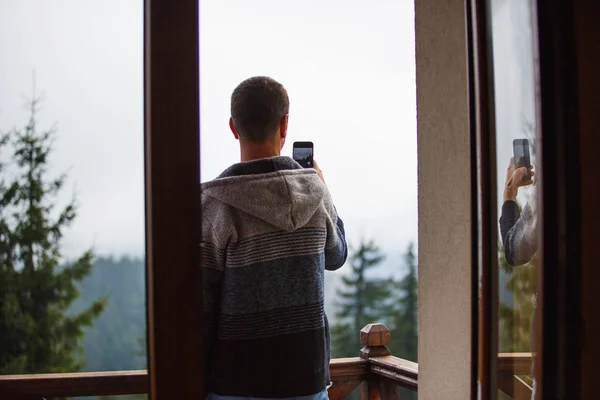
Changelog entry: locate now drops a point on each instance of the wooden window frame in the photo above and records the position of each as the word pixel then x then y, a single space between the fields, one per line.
pixel 172 159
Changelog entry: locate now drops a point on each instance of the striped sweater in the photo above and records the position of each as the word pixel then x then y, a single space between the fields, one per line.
pixel 269 230
pixel 519 231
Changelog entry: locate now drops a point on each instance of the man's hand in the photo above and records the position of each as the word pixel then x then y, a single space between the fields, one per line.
pixel 515 178
pixel 319 172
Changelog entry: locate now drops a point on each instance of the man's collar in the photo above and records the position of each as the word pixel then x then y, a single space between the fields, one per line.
pixel 261 166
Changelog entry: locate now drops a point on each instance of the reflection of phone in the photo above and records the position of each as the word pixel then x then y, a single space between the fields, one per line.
pixel 302 153
pixel 521 153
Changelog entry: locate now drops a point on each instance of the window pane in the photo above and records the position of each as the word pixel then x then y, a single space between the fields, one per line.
pixel 517 136
pixel 349 70
pixel 72 291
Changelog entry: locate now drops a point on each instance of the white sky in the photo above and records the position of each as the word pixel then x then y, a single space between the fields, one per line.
pixel 348 66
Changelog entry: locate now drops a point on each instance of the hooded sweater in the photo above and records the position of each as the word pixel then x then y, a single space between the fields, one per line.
pixel 269 230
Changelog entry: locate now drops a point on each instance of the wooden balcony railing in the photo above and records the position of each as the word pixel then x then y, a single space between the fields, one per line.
pixel 34 386
pixel 512 368
pixel 375 371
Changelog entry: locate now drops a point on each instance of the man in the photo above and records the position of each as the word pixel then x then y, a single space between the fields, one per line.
pixel 519 232
pixel 269 230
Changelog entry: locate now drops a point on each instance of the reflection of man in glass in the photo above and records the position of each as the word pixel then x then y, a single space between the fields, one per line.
pixel 519 229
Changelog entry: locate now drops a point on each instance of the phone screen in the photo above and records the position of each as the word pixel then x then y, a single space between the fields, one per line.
pixel 303 154
pixel 521 153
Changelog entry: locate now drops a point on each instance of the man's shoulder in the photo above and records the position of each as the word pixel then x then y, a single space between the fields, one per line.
pixel 213 211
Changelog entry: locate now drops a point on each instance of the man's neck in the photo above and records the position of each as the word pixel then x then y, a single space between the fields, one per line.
pixel 254 151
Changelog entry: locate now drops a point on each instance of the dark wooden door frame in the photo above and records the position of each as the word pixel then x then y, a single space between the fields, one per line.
pixel 172 164
pixel 559 329
pixel 483 171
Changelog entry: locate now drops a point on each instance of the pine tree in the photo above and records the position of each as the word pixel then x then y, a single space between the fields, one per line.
pixel 36 332
pixel 405 322
pixel 361 301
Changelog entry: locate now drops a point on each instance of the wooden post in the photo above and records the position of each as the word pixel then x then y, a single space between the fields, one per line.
pixel 375 338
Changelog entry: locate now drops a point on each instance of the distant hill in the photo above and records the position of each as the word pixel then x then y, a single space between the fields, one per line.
pixel 115 340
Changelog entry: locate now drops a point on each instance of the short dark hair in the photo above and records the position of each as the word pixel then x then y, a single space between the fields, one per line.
pixel 257 106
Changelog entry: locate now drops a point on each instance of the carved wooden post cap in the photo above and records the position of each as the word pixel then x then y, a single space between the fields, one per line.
pixel 375 337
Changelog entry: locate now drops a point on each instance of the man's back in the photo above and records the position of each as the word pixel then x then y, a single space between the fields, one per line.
pixel 269 231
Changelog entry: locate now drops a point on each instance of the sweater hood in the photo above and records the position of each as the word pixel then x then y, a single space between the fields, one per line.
pixel 277 190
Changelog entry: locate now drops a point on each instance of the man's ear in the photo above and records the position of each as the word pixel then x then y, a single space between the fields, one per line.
pixel 233 130
pixel 283 126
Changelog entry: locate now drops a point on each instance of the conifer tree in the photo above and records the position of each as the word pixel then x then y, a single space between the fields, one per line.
pixel 37 334
pixel 361 301
pixel 404 325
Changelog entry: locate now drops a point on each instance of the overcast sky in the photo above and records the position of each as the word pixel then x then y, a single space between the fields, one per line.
pixel 349 69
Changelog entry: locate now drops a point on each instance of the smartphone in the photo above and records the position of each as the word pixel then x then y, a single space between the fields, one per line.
pixel 521 153
pixel 302 153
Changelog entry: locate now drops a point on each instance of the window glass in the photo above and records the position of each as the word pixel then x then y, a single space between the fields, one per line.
pixel 72 291
pixel 517 137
